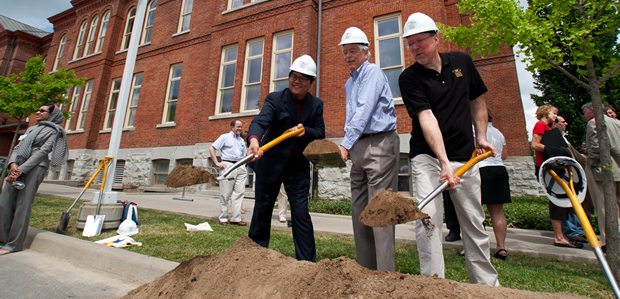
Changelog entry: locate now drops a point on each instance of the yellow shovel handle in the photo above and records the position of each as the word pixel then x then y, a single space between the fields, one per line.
pixel 474 159
pixel 287 134
pixel 102 164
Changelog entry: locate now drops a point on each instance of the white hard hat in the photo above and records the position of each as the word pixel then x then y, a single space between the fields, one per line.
pixel 127 228
pixel 554 191
pixel 354 35
pixel 418 23
pixel 304 65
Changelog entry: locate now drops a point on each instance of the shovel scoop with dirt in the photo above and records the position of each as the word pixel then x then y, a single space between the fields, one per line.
pixel 390 208
pixel 324 153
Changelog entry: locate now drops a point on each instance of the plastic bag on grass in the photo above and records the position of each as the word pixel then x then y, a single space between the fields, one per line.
pixel 119 241
pixel 203 227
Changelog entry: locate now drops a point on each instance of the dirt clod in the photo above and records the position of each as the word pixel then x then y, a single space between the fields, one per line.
pixel 389 208
pixel 184 175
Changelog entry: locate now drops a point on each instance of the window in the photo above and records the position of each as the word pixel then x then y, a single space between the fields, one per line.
pixel 80 41
pixel 119 172
pixel 281 61
pixel 109 117
pixel 148 24
pixel 61 48
pixel 131 16
pixel 73 107
pixel 186 14
pixel 160 171
pixel 227 80
pixel 85 102
pixel 90 44
pixel 252 75
pixel 404 175
pixel 390 49
pixel 69 170
pixel 104 29
pixel 55 172
pixel 174 83
pixel 186 162
pixel 235 3
pixel 134 96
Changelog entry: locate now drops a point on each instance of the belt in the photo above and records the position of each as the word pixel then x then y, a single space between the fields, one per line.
pixel 373 134
pixel 229 161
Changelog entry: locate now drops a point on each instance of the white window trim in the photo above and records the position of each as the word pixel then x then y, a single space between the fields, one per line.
pixel 81 119
pixel 272 84
pixel 149 10
pixel 229 10
pixel 110 109
pixel 61 49
pixel 127 33
pixel 168 101
pixel 183 15
pixel 397 35
pixel 218 102
pixel 244 84
pixel 102 33
pixel 92 36
pixel 80 40
pixel 74 99
pixel 133 86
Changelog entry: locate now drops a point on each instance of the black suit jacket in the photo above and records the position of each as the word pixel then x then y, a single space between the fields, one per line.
pixel 279 113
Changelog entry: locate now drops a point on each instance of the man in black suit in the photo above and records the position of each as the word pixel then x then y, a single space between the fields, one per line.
pixel 291 108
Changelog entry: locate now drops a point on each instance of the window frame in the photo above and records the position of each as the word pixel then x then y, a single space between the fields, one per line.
pixel 185 14
pixel 75 99
pixel 245 85
pixel 155 173
pixel 401 157
pixel 92 34
pixel 386 37
pixel 130 101
pixel 231 2
pixel 146 26
pixel 69 165
pixel 128 28
pixel 80 40
pixel 61 49
pixel 274 52
pixel 85 100
pixel 168 101
pixel 111 110
pixel 102 31
pixel 218 102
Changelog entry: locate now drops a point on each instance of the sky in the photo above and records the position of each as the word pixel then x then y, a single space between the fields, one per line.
pixel 36 12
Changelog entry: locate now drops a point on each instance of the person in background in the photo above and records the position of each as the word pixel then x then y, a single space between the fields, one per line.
pixel 610 111
pixel 232 189
pixel 452 221
pixel 282 205
pixel 29 163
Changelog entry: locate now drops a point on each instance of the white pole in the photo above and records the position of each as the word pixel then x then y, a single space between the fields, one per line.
pixel 123 98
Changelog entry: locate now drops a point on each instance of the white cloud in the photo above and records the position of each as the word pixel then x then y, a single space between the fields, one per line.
pixel 526 87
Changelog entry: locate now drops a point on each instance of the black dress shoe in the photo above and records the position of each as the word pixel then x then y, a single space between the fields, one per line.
pixel 453 236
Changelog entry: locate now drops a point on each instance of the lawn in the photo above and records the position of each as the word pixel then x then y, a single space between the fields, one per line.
pixel 164 236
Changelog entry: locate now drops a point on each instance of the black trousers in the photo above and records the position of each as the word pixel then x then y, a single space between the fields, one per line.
pixel 297 185
pixel 452 222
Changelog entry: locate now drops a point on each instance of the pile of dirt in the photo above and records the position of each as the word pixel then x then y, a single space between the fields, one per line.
pixel 247 270
pixel 324 153
pixel 184 175
pixel 321 146
pixel 389 208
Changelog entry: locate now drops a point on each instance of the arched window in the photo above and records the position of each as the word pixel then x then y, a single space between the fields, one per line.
pixel 131 16
pixel 80 41
pixel 61 48
pixel 104 29
pixel 90 44
pixel 148 22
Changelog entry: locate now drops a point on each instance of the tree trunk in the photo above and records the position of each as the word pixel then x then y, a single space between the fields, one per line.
pixel 4 167
pixel 612 236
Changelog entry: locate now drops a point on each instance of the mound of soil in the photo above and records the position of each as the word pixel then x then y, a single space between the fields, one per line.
pixel 247 270
pixel 324 153
pixel 389 208
pixel 184 175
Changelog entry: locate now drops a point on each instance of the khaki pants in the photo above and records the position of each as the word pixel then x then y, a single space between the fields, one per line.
pixel 597 194
pixel 468 206
pixel 232 190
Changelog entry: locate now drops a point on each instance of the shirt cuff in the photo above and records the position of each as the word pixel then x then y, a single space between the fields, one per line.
pixel 347 143
pixel 253 137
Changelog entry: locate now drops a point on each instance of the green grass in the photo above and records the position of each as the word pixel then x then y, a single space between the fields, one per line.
pixel 163 235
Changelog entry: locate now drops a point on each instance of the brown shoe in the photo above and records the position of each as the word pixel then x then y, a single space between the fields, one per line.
pixel 240 223
pixel 223 223
pixel 579 238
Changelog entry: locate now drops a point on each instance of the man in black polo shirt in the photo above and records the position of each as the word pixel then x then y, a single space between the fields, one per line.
pixel 442 93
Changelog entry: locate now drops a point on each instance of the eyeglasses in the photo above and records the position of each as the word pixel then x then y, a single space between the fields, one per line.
pixel 43 111
pixel 418 42
pixel 301 79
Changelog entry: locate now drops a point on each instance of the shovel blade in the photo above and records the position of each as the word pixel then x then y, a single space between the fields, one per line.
pixel 63 223
pixel 327 160
pixel 93 226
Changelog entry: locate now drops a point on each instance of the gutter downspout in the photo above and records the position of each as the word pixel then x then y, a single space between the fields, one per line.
pixel 318 50
pixel 11 54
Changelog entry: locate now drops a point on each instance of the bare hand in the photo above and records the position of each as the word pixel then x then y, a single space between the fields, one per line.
pixel 220 165
pixel 344 153
pixel 297 127
pixel 15 170
pixel 447 173
pixel 254 148
pixel 11 178
pixel 483 146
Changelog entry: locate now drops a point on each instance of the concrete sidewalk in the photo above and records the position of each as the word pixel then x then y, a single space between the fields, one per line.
pixel 529 242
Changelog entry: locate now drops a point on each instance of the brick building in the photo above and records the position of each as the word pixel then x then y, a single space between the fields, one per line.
pixel 201 64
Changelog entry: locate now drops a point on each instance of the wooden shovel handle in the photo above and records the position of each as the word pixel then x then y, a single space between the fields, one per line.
pixel 287 134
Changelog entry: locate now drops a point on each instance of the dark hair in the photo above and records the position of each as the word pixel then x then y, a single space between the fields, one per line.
pixel 234 122
pixel 50 107
pixel 307 76
pixel 489 114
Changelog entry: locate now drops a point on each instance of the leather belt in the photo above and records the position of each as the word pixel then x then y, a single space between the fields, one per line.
pixel 229 161
pixel 373 134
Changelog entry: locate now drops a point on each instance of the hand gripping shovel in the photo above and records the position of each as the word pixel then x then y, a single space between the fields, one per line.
pixel 64 218
pixel 94 223
pixel 287 134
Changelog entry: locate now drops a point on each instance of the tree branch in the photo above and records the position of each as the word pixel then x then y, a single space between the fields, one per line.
pixel 600 13
pixel 608 75
pixel 566 73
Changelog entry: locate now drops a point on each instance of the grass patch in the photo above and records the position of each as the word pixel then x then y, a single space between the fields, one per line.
pixel 163 235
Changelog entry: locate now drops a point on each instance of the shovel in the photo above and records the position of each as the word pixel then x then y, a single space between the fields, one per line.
pixel 287 134
pixel 94 223
pixel 329 159
pixel 66 216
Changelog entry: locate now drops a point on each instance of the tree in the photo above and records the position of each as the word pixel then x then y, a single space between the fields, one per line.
pixel 21 95
pixel 542 31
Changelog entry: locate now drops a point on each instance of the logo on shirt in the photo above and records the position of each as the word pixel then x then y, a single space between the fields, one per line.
pixel 457 73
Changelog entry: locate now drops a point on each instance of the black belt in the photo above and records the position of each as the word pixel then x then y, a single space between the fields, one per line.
pixel 373 134
pixel 229 161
